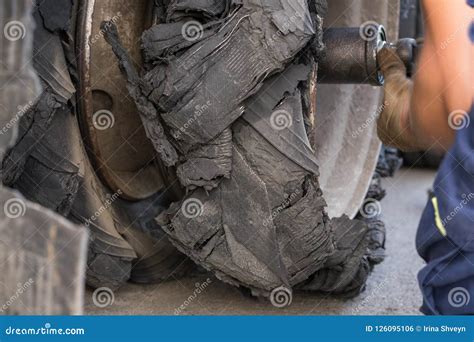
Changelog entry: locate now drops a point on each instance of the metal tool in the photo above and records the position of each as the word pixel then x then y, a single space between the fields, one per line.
pixel 350 55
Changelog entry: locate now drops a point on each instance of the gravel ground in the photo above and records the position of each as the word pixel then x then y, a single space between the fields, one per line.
pixel 392 288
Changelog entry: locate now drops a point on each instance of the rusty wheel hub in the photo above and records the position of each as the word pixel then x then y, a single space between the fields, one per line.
pixel 113 134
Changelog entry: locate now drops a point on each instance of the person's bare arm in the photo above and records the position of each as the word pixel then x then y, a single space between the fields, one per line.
pixel 416 113
pixel 444 79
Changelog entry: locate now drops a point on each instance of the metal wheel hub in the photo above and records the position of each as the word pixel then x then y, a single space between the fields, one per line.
pixel 116 142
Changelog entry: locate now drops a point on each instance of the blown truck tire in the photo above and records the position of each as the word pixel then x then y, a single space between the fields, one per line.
pixel 227 96
pixel 83 148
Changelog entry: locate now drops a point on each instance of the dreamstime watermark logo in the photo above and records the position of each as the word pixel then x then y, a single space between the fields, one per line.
pixel 103 297
pixel 289 199
pixel 108 24
pixel 293 23
pixel 21 288
pixel 199 288
pixel 192 208
pixel 371 208
pixel 368 31
pixel 459 297
pixel 445 43
pixel 187 62
pixel 107 204
pixel 281 119
pixel 22 110
pixel 281 297
pixel 192 31
pixel 14 208
pixel 46 330
pixel 103 119
pixel 466 198
pixel 14 30
pixel 198 112
pixel 369 122
pixel 373 292
pixel 458 120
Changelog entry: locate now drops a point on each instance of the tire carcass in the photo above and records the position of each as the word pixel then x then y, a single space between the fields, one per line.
pixel 224 98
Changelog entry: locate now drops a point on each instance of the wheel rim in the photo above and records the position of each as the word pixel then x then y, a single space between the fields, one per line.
pixel 346 141
pixel 122 156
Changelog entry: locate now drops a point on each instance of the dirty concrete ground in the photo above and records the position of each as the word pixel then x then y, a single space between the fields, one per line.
pixel 392 287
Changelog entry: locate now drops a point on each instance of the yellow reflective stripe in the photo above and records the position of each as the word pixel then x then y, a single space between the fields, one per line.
pixel 439 223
